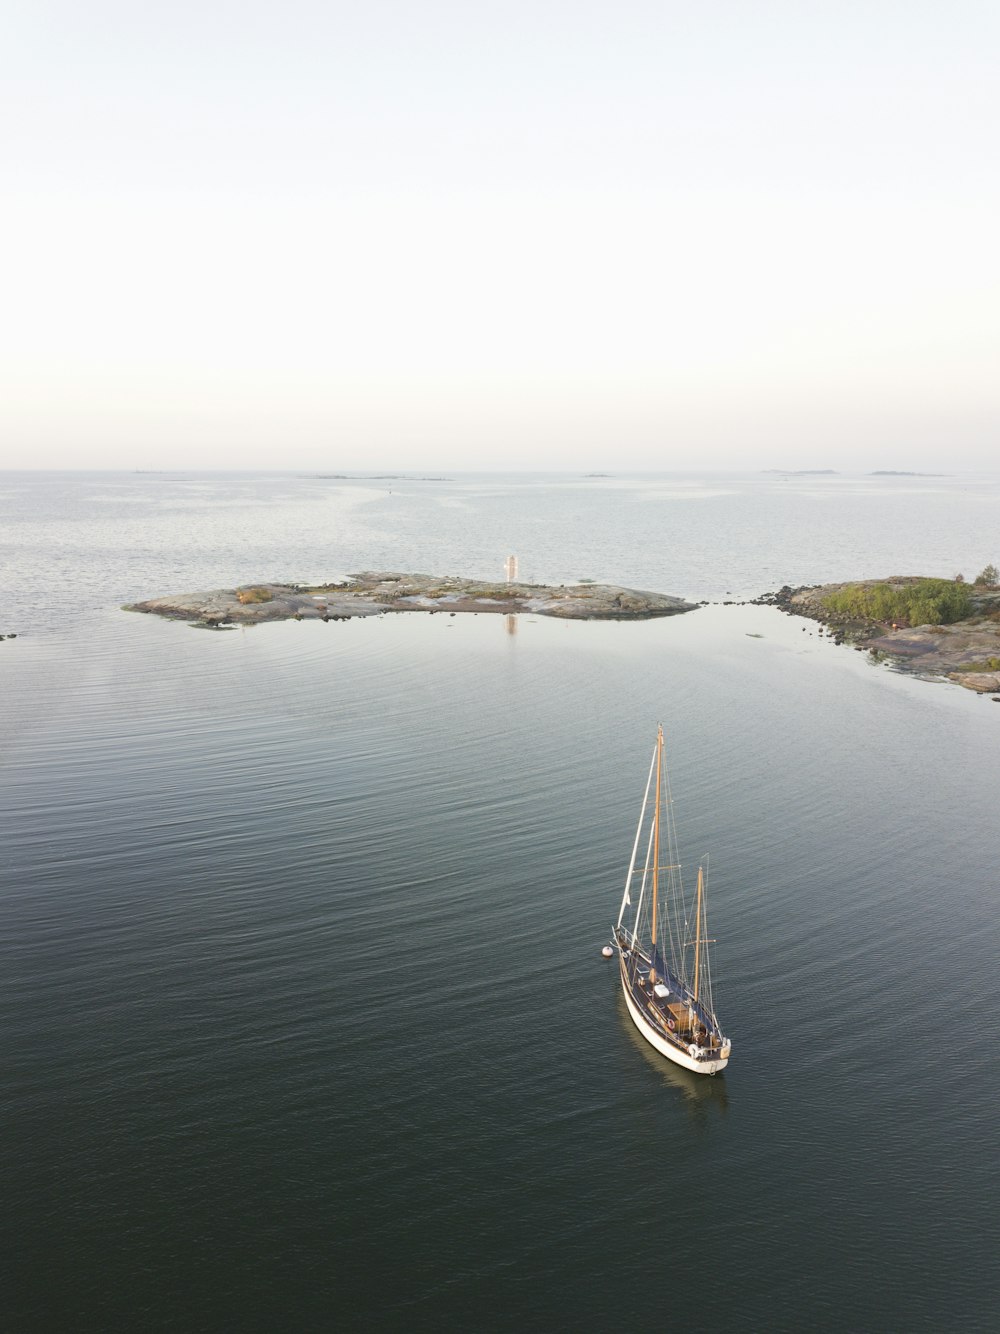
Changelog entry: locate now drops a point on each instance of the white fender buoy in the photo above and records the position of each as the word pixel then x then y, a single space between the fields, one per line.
pixel 608 952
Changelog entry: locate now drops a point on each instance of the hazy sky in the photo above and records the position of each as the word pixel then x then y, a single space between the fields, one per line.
pixel 606 233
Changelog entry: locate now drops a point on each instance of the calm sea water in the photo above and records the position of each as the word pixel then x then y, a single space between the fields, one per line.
pixel 304 1019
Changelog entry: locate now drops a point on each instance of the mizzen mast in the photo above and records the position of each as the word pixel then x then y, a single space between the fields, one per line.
pixel 697 933
pixel 656 828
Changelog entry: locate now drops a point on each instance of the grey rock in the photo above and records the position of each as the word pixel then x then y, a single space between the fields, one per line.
pixel 374 592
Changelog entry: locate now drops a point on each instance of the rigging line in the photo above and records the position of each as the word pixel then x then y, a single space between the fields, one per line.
pixel 642 890
pixel 669 810
pixel 676 883
pixel 697 936
pixel 656 830
pixel 635 845
pixel 708 957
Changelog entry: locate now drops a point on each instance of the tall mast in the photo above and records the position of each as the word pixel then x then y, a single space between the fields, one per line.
pixel 656 826
pixel 697 935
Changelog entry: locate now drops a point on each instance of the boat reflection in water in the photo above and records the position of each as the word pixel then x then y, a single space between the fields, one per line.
pixel 699 1094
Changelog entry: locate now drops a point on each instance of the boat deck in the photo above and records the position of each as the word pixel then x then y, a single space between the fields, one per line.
pixel 670 1014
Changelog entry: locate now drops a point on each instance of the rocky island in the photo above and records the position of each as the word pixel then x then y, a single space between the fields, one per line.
pixel 936 628
pixel 374 593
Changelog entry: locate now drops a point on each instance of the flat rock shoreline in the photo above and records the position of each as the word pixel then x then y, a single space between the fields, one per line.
pixel 961 652
pixel 374 593
pixel 930 651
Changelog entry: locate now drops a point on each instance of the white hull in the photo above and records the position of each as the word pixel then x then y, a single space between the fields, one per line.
pixel 666 1048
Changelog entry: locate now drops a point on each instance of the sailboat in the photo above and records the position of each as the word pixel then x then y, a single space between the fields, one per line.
pixel 662 943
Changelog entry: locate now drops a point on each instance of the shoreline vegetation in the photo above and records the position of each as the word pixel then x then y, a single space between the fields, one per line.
pixel 940 629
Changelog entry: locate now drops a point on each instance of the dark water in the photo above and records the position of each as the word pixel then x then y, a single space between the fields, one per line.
pixel 304 1018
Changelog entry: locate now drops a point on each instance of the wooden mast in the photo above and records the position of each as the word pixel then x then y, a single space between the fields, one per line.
pixel 656 828
pixel 697 935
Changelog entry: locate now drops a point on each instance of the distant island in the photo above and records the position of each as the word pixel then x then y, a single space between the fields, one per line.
pixel 374 593
pixel 373 477
pixel 889 472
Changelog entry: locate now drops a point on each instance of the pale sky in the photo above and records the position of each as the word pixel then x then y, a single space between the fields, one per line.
pixel 466 233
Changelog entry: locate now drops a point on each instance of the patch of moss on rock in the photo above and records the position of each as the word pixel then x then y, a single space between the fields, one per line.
pixel 254 594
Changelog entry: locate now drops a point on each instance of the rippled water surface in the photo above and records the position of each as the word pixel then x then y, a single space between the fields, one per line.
pixel 305 1021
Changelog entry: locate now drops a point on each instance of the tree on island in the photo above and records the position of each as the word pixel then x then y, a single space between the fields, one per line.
pixel 988 577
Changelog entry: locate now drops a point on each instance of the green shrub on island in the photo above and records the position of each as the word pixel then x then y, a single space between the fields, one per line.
pixel 927 602
pixel 988 577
